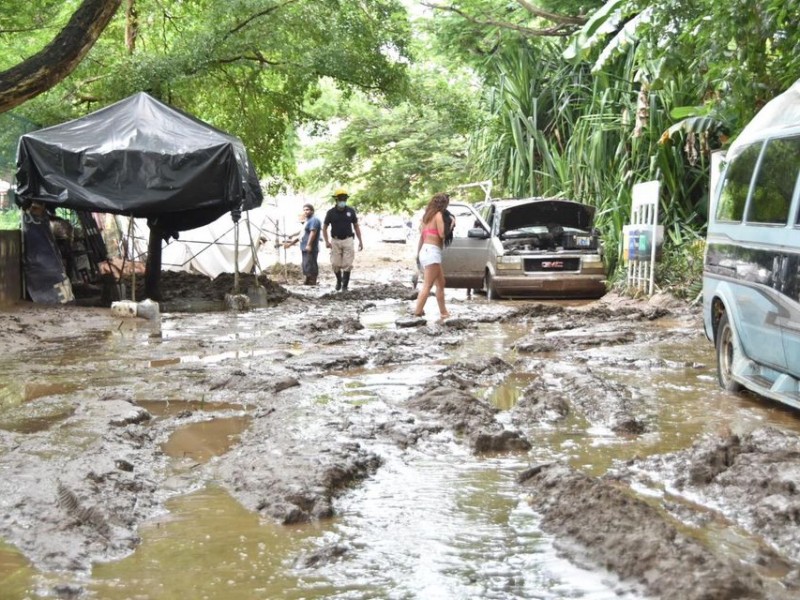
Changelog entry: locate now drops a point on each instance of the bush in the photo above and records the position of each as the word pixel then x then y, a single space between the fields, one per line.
pixel 10 218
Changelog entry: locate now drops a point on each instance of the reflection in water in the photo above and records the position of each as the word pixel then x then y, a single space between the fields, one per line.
pixel 15 390
pixel 417 530
pixel 508 392
pixel 206 439
pixel 16 575
pixel 171 408
pixel 35 423
pixel 209 547
pixel 446 525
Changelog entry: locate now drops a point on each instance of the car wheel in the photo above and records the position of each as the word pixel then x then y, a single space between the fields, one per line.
pixel 488 286
pixel 726 354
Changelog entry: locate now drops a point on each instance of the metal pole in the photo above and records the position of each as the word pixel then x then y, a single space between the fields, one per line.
pixel 236 258
pixel 133 260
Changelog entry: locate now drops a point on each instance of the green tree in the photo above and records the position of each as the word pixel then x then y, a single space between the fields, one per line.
pixel 396 156
pixel 615 114
pixel 246 66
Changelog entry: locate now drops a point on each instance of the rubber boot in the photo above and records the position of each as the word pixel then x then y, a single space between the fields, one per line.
pixel 307 280
pixel 345 280
pixel 312 280
pixel 338 280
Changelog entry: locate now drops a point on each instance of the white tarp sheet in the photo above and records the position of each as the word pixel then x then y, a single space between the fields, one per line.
pixel 211 249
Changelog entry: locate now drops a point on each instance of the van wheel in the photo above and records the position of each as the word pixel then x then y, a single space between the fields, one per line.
pixel 488 286
pixel 726 353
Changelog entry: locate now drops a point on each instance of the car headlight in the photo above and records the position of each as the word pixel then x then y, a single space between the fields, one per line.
pixel 509 262
pixel 594 258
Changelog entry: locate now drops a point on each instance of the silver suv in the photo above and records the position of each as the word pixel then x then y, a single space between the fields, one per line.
pixel 534 247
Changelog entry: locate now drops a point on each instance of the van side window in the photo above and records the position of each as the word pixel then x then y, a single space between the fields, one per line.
pixel 733 196
pixel 775 182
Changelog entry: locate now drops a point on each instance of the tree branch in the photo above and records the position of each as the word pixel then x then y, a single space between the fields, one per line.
pixel 564 25
pixel 578 21
pixel 258 15
pixel 59 58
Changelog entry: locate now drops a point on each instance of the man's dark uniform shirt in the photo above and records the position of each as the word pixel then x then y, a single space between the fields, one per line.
pixel 341 222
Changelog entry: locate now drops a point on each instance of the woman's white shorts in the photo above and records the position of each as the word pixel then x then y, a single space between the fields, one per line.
pixel 430 254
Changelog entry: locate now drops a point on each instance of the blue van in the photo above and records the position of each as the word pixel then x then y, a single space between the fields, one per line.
pixel 751 274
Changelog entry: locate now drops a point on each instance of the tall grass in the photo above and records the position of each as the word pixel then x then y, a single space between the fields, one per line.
pixel 558 130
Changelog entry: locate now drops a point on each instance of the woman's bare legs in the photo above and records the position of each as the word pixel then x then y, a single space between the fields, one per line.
pixel 429 277
pixel 440 292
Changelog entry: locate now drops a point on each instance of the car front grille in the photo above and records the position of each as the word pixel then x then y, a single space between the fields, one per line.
pixel 552 265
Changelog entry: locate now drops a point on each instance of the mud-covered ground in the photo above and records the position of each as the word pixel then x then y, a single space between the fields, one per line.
pixel 83 465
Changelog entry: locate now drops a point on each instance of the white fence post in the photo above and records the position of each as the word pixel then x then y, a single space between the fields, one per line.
pixel 643 237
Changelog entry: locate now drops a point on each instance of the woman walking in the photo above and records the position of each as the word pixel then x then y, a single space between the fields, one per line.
pixel 431 241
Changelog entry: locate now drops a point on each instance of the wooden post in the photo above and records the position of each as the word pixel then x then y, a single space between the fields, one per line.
pixel 152 275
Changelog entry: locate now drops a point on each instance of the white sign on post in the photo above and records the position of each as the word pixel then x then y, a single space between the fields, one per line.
pixel 642 237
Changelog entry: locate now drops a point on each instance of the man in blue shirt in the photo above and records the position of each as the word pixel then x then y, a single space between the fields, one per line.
pixel 309 245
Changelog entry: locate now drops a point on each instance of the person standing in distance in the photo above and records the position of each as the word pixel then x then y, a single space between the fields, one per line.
pixel 433 232
pixel 343 222
pixel 309 245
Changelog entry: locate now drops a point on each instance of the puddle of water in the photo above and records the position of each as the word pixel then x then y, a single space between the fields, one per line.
pixel 40 421
pixel 445 526
pixel 384 315
pixel 492 339
pixel 418 529
pixel 16 574
pixel 192 306
pixel 505 395
pixel 16 391
pixel 392 384
pixel 171 408
pixel 209 358
pixel 208 547
pixel 202 441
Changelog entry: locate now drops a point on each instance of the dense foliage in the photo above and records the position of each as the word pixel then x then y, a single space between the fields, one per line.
pixel 245 66
pixel 576 98
pixel 647 91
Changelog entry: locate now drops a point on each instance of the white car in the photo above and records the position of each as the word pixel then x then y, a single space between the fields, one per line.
pixel 531 247
pixel 395 229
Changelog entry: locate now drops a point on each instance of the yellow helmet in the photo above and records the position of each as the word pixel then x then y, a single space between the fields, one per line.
pixel 340 192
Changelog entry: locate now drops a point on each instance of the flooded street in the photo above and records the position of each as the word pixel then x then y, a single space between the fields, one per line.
pixel 328 447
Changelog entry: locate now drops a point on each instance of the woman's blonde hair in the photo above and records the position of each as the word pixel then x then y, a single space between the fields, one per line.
pixel 437 204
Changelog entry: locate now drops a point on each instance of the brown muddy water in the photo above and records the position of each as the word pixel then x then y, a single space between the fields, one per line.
pixel 434 521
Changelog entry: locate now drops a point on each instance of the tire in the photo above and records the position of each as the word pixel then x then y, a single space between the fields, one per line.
pixel 488 285
pixel 726 354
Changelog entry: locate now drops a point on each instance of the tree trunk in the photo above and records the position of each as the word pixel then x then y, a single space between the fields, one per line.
pixel 59 58
pixel 152 274
pixel 131 26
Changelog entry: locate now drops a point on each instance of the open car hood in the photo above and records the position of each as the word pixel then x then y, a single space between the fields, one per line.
pixel 547 212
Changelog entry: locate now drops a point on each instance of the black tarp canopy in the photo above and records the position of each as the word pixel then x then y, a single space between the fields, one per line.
pixel 141 158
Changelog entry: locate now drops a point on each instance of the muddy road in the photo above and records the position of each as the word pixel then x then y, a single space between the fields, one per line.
pixel 331 446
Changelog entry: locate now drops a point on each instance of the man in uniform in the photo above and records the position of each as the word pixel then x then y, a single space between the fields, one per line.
pixel 343 223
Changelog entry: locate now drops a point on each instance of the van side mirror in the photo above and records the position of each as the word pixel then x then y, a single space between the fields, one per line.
pixel 478 233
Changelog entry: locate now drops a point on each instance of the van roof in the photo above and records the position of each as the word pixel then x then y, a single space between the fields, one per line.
pixel 779 114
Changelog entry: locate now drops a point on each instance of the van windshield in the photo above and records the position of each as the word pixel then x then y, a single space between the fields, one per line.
pixel 775 182
pixel 736 184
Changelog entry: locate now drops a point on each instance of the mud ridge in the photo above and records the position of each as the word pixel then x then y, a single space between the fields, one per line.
pixel 618 531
